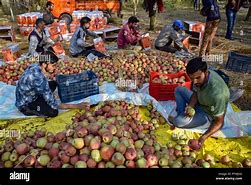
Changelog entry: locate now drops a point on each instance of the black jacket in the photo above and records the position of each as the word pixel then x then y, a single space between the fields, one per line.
pixel 211 10
pixel 48 17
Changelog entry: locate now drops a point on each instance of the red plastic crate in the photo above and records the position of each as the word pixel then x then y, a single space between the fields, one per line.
pixel 164 92
pixel 145 42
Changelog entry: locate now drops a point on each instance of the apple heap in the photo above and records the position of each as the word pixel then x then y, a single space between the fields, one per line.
pixel 128 67
pixel 165 80
pixel 12 72
pixel 109 135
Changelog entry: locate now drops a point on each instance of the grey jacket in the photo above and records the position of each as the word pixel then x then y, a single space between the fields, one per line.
pixel 168 33
pixel 78 43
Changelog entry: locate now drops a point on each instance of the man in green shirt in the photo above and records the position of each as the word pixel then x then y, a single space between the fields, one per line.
pixel 209 99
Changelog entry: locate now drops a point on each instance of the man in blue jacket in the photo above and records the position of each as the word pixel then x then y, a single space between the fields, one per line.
pixel 212 12
pixel 34 92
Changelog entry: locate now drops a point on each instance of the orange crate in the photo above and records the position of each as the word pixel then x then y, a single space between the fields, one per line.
pixel 63 27
pixel 11 53
pixel 58 49
pixel 145 42
pixel 185 42
pixel 200 27
pixel 53 29
pixel 25 30
pixel 31 20
pixel 73 26
pixel 19 20
pixel 164 92
pixel 99 45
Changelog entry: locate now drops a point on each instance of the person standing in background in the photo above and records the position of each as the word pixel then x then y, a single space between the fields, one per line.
pixel 248 14
pixel 151 7
pixel 196 4
pixel 210 10
pixel 232 7
pixel 121 2
pixel 48 17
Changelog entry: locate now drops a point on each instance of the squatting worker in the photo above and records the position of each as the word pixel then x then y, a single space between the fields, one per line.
pixel 38 41
pixel 34 93
pixel 129 36
pixel 78 44
pixel 171 34
pixel 48 17
pixel 209 97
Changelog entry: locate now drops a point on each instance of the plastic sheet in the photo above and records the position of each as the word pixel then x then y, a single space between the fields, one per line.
pixel 237 124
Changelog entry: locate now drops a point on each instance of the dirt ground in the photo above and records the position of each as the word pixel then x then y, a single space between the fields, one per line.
pixel 242 44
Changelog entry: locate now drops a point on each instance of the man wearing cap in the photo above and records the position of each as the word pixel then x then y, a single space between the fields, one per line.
pixel 168 35
pixel 34 93
pixel 129 35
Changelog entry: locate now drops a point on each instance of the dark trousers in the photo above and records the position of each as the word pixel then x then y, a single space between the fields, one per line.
pixel 168 47
pixel 248 14
pixel 231 16
pixel 89 50
pixel 120 8
pixel 196 4
pixel 39 107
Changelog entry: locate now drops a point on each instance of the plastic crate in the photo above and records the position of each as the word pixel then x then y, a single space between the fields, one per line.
pixel 239 63
pixel 77 86
pixel 145 42
pixel 164 92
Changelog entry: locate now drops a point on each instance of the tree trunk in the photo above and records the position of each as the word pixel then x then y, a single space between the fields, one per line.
pixel 135 5
pixel 6 6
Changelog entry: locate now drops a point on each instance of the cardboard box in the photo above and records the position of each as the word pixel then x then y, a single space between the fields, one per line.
pixel 58 49
pixel 99 45
pixel 11 53
pixel 25 30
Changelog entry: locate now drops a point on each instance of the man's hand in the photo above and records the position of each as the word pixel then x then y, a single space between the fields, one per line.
pixel 189 111
pixel 195 144
pixel 233 3
pixel 88 44
pixel 186 111
pixel 84 105
pixel 201 140
pixel 59 38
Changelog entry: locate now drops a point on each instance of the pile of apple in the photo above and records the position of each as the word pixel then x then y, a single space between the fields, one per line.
pixel 165 80
pixel 128 67
pixel 110 135
pixel 12 72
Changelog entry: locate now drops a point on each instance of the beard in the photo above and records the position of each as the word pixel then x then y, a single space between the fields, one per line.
pixel 49 71
pixel 198 85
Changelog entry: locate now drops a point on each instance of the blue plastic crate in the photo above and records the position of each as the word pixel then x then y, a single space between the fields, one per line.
pixel 239 63
pixel 77 86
